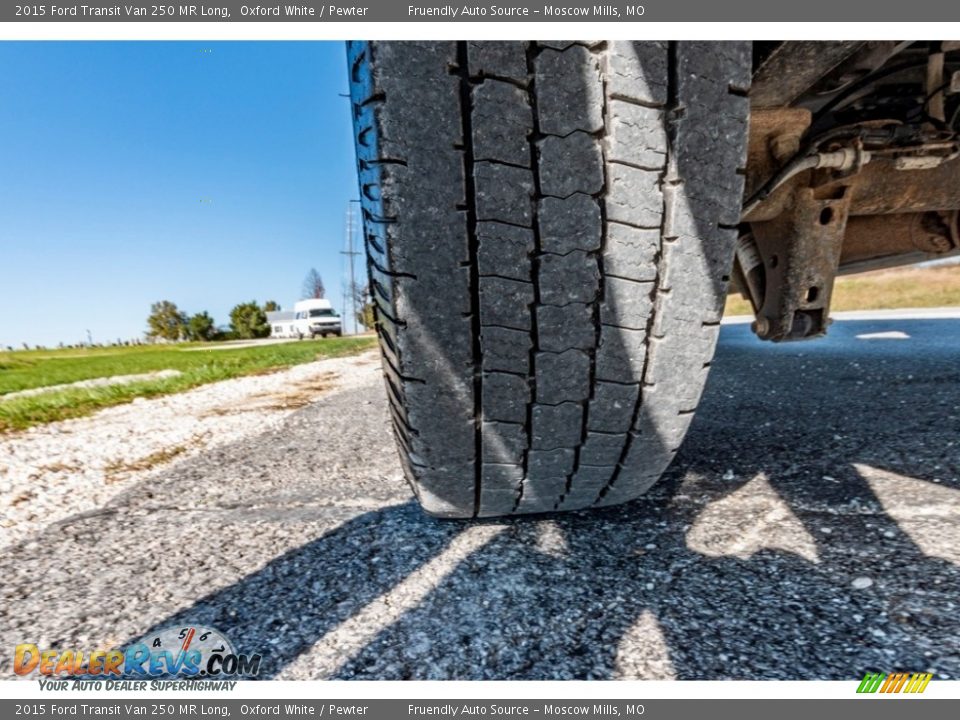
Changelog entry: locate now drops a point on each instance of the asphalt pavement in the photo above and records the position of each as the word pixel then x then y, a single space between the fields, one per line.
pixel 809 528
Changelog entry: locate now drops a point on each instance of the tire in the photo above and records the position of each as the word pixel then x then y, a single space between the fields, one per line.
pixel 549 232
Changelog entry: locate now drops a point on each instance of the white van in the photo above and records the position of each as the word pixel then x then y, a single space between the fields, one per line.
pixel 316 317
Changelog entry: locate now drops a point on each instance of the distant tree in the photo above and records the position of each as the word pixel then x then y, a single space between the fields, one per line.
pixel 165 321
pixel 364 305
pixel 271 306
pixel 200 327
pixel 366 316
pixel 313 286
pixel 248 320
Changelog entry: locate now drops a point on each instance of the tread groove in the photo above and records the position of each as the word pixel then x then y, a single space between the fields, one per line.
pixel 600 296
pixel 473 242
pixel 530 56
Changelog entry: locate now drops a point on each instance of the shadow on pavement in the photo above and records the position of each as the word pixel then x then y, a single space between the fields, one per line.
pixel 769 550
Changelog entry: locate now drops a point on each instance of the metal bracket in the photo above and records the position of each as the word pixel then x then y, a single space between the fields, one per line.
pixel 800 253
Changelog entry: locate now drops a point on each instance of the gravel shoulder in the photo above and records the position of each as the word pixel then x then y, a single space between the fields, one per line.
pixel 807 529
pixel 50 472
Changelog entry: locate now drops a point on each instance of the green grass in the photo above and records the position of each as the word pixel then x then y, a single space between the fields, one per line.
pixel 199 363
pixel 885 290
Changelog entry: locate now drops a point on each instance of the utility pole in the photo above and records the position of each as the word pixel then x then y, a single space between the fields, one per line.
pixel 351 253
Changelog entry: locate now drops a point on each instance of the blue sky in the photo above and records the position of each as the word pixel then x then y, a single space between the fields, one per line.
pixel 203 173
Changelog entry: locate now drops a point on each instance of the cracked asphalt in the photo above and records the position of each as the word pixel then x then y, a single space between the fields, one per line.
pixel 809 528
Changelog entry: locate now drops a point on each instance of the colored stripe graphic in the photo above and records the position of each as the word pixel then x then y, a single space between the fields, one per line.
pixel 871 682
pixel 894 682
pixel 919 682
